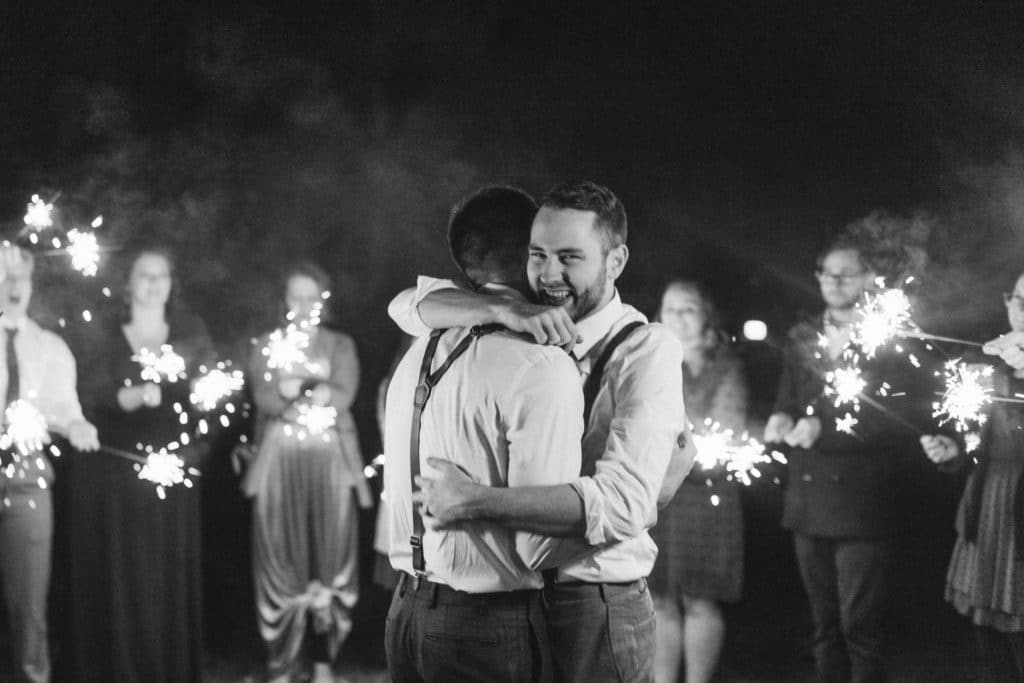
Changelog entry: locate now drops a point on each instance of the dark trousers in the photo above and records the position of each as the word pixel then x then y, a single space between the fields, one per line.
pixel 845 584
pixel 26 535
pixel 1002 655
pixel 601 631
pixel 435 633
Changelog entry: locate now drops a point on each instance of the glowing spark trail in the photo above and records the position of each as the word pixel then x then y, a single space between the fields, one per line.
pixel 158 367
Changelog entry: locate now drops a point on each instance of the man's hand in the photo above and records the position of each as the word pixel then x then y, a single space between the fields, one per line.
pixel 939 448
pixel 779 426
pixel 1009 347
pixel 83 436
pixel 446 499
pixel 547 324
pixel 805 433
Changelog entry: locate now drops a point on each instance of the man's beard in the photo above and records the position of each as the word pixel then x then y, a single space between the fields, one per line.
pixel 580 304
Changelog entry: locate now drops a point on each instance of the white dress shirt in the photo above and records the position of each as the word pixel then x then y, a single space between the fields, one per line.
pixel 47 375
pixel 47 379
pixel 509 412
pixel 635 422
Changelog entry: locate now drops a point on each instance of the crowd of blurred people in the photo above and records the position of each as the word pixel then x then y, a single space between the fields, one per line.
pixel 132 566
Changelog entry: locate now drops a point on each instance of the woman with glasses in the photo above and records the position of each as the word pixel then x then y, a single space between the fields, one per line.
pixel 985 581
pixel 700 533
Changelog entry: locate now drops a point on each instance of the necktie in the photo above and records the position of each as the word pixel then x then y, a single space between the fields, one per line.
pixel 13 380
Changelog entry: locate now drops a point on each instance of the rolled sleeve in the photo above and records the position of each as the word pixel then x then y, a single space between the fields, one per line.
pixel 404 308
pixel 621 498
pixel 57 397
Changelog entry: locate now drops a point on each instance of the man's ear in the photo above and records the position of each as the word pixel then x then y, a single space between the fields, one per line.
pixel 616 261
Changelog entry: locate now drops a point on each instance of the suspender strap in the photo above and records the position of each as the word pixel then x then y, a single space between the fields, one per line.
pixel 428 380
pixel 593 383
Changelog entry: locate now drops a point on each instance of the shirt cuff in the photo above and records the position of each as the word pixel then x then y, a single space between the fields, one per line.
pixel 404 308
pixel 593 509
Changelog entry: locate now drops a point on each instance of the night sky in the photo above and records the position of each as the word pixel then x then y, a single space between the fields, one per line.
pixel 739 139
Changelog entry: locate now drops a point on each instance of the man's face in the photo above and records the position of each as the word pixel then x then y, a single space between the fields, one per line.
pixel 1015 306
pixel 568 265
pixel 16 290
pixel 843 279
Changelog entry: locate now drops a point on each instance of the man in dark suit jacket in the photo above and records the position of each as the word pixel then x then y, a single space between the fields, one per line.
pixel 842 480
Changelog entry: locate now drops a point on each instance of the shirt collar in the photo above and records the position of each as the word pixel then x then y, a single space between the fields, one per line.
pixel 597 325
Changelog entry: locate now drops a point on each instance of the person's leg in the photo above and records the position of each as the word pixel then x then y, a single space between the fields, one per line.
pixel 1015 640
pixel 704 636
pixel 668 647
pixel 817 566
pixel 601 632
pixel 399 637
pixel 26 533
pixel 861 567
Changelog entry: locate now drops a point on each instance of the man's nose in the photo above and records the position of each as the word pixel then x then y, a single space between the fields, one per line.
pixel 552 272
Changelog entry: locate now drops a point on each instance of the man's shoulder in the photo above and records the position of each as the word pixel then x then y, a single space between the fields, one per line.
pixel 648 336
pixel 521 350
pixel 48 339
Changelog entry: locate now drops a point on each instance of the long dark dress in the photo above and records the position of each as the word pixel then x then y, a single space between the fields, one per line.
pixel 135 559
pixel 699 534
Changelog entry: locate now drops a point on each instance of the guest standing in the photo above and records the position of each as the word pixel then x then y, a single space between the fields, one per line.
pixel 841 491
pixel 306 488
pixel 700 533
pixel 985 581
pixel 135 574
pixel 37 368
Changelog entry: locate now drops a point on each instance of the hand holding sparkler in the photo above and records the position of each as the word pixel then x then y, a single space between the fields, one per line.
pixel 136 396
pixel 939 448
pixel 83 436
pixel 779 425
pixel 1009 347
pixel 805 433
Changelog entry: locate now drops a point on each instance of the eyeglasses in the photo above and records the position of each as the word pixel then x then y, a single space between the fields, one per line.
pixel 1013 300
pixel 837 278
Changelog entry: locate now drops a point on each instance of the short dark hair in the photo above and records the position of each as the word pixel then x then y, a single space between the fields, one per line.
pixel 845 242
pixel 584 195
pixel 489 234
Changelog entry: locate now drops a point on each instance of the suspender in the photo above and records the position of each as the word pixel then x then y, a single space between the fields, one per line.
pixel 593 383
pixel 428 380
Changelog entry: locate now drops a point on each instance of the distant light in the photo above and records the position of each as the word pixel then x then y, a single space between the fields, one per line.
pixel 755 330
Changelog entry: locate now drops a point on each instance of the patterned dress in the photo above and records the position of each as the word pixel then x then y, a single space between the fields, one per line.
pixel 985 581
pixel 306 487
pixel 700 532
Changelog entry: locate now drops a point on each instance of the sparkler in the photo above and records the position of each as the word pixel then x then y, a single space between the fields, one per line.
pixel 738 456
pixel 38 214
pixel 846 385
pixel 84 251
pixel 968 390
pixel 27 430
pixel 286 348
pixel 316 419
pixel 214 386
pixel 886 315
pixel 165 365
pixel 165 469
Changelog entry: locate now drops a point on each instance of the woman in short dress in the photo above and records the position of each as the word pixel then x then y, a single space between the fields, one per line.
pixel 985 581
pixel 700 533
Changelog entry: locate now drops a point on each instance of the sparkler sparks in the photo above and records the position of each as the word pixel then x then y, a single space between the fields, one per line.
pixel 883 317
pixel 38 214
pixel 27 430
pixel 968 390
pixel 846 423
pixel 165 469
pixel 738 456
pixel 84 251
pixel 846 385
pixel 286 348
pixel 317 419
pixel 158 367
pixel 214 386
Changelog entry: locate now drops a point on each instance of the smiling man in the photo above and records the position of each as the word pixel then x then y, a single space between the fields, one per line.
pixel 599 614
